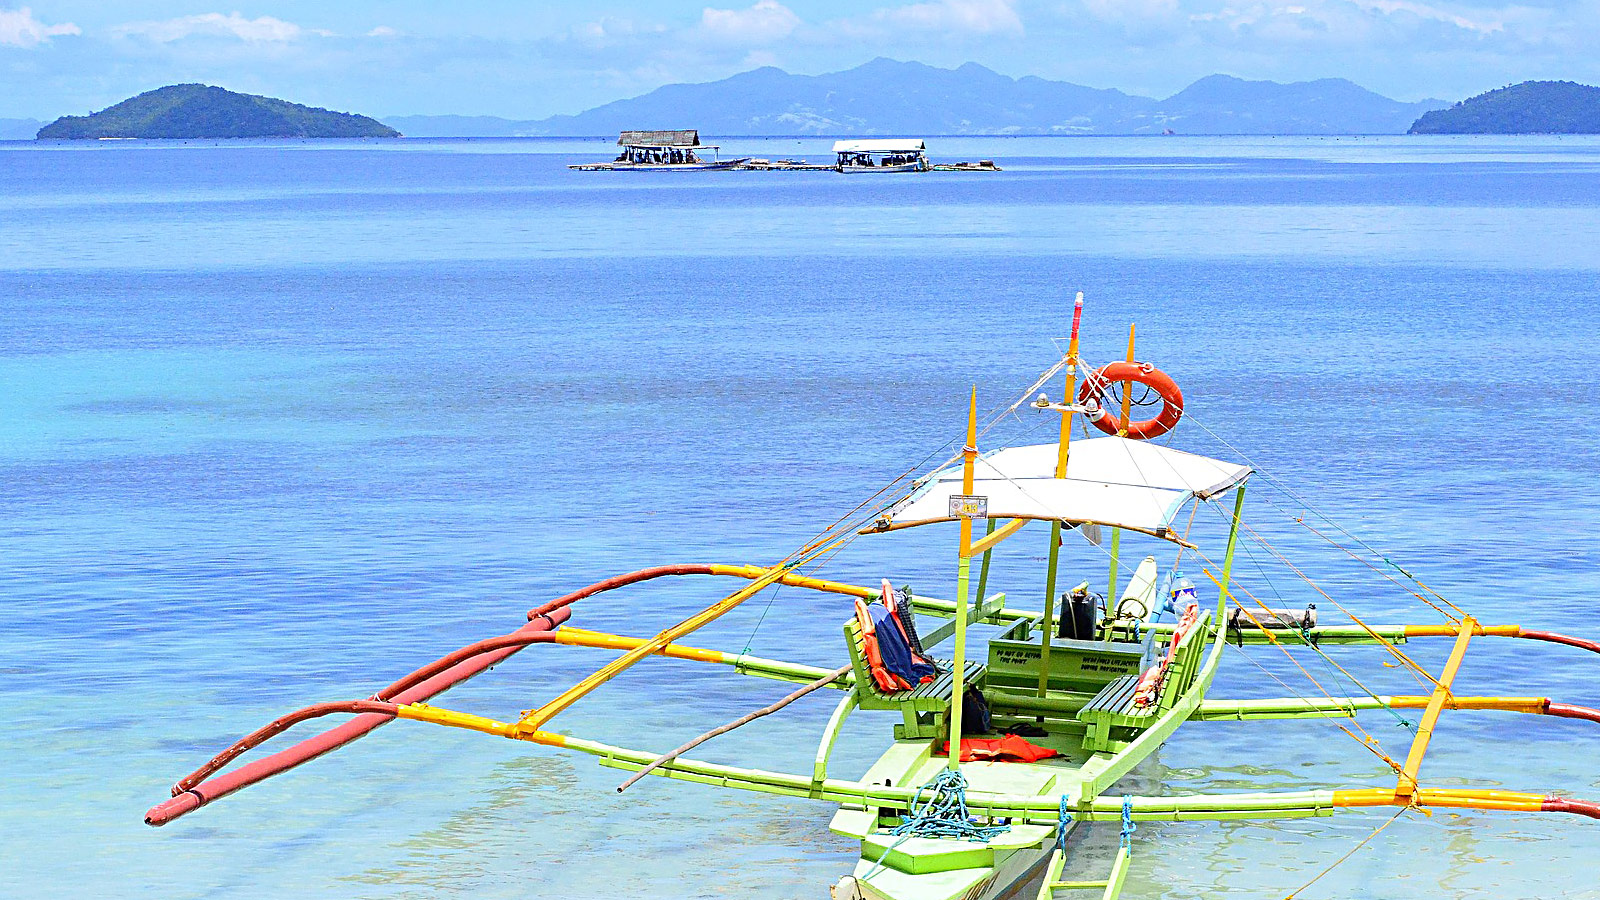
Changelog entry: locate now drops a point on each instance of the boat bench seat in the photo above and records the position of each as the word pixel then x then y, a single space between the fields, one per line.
pixel 1113 707
pixel 1115 700
pixel 921 704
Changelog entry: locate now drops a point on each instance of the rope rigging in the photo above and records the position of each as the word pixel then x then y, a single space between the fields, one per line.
pixel 1274 482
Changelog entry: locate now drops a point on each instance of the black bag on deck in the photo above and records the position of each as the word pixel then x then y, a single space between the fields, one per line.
pixel 975 717
pixel 1080 616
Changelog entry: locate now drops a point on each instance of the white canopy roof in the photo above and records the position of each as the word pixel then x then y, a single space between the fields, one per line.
pixel 1110 480
pixel 896 145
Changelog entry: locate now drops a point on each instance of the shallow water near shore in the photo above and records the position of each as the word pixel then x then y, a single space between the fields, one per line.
pixel 280 421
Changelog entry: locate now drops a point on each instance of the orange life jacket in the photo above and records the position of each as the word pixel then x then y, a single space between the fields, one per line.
pixel 886 680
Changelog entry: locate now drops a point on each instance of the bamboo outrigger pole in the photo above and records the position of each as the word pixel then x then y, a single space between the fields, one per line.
pixel 1063 446
pixel 745 719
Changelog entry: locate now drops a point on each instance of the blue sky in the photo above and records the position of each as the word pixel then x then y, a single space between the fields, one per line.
pixel 533 59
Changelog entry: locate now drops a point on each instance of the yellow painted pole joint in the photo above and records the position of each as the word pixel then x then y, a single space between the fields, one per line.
pixel 1531 705
pixel 583 637
pixel 795 579
pixel 1451 630
pixel 1449 798
pixel 422 712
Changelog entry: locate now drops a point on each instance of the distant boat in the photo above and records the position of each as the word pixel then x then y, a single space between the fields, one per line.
pixel 897 155
pixel 661 151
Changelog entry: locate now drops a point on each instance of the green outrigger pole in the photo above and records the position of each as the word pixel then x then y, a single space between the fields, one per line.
pixel 930 827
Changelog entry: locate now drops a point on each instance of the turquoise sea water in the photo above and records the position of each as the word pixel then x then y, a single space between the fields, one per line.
pixel 280 421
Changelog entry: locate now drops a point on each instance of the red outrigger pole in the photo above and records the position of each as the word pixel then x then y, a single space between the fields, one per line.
pixel 200 788
pixel 204 784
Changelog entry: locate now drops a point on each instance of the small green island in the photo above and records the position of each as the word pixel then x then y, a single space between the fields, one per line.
pixel 203 111
pixel 1532 107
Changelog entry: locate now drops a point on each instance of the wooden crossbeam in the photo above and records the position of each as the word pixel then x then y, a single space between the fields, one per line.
pixel 995 537
pixel 1407 785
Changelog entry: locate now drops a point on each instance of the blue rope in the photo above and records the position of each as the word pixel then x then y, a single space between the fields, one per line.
pixel 1128 828
pixel 944 815
pixel 1062 821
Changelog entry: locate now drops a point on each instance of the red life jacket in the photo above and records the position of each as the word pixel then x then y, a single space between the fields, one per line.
pixel 1149 686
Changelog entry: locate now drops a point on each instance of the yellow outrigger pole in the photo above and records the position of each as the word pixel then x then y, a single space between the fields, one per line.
pixel 530 725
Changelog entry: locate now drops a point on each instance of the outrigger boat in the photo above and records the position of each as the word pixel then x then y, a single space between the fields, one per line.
pixel 1000 756
pixel 662 151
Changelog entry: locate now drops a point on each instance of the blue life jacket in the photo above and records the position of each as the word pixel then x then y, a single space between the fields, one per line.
pixel 892 645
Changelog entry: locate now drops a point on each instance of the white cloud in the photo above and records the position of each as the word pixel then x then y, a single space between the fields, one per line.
pixel 18 28
pixel 264 29
pixel 1131 10
pixel 612 29
pixel 766 21
pixel 1424 11
pixel 1365 23
pixel 383 31
pixel 961 16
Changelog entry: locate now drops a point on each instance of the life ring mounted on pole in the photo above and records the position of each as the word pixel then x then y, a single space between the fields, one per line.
pixel 1094 388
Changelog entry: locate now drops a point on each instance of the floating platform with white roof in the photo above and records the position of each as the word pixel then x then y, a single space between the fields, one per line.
pixel 881 155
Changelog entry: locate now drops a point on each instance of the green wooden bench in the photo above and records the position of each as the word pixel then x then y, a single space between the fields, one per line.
pixel 922 705
pixel 1110 716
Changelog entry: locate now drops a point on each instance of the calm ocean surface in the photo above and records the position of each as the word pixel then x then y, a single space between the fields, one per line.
pixel 281 420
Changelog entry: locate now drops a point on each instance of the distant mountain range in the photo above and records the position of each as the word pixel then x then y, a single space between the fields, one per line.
pixel 19 129
pixel 885 97
pixel 1532 107
pixel 203 111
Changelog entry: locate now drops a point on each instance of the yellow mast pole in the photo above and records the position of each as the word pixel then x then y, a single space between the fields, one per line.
pixel 1063 446
pixel 969 455
pixel 1127 391
pixel 1122 431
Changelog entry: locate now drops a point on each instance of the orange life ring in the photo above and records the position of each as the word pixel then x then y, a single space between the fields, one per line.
pixel 1142 373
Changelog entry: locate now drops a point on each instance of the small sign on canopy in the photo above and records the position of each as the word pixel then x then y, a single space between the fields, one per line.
pixel 968 506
